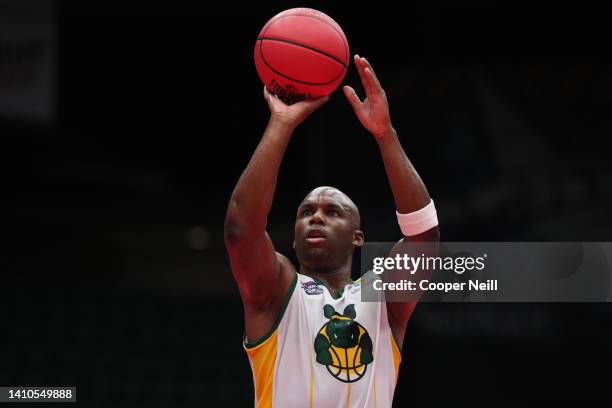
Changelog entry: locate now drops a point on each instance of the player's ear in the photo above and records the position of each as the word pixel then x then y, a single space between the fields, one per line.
pixel 358 238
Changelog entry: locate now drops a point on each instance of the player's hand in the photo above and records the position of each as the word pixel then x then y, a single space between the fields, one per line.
pixel 291 115
pixel 373 112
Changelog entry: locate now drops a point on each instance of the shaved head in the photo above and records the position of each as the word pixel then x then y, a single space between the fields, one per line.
pixel 344 200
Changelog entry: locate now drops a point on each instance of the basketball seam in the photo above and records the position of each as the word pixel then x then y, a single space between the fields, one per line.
pixel 339 32
pixel 297 80
pixel 304 46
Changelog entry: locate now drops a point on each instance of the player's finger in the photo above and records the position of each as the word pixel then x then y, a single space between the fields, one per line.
pixel 312 104
pixel 370 84
pixel 319 101
pixel 372 89
pixel 367 65
pixel 269 97
pixel 359 66
pixel 352 97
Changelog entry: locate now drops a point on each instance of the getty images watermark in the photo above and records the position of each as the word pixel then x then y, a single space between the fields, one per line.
pixel 486 271
pixel 412 264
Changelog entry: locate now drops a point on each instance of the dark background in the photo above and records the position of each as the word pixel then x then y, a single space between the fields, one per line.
pixel 115 277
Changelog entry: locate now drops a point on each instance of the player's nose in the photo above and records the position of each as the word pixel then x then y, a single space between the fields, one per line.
pixel 317 218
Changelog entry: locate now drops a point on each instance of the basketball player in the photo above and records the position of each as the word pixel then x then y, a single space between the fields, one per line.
pixel 310 340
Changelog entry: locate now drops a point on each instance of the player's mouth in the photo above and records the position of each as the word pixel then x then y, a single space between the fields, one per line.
pixel 315 236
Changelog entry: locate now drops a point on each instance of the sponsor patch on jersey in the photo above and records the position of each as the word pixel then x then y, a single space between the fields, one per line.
pixel 311 288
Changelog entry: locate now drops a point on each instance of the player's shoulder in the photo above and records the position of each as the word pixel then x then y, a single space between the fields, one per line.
pixel 287 272
pixel 285 262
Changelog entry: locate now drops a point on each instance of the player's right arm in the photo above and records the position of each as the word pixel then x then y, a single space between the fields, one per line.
pixel 263 276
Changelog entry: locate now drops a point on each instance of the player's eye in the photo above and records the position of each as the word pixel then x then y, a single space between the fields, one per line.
pixel 306 213
pixel 333 213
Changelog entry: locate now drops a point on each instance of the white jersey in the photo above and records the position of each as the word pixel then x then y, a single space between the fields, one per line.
pixel 326 352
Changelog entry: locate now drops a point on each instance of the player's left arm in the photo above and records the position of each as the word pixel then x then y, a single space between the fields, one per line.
pixel 409 191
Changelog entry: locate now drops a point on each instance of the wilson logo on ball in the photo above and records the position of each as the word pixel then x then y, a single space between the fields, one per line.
pixel 288 92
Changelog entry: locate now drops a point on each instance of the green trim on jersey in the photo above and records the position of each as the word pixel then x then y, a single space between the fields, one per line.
pixel 251 344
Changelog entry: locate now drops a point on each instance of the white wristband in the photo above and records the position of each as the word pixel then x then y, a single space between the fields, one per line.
pixel 419 221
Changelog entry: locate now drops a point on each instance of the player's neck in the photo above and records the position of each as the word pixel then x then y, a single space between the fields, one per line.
pixel 334 279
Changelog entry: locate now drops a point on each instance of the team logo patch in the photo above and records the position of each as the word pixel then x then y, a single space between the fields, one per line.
pixel 311 288
pixel 343 345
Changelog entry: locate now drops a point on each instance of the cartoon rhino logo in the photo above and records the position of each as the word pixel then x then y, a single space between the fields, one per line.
pixel 343 345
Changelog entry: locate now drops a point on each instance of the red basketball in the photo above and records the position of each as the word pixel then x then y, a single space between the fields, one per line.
pixel 301 53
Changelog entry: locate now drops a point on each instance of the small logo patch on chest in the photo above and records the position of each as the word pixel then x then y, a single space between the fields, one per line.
pixel 311 288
